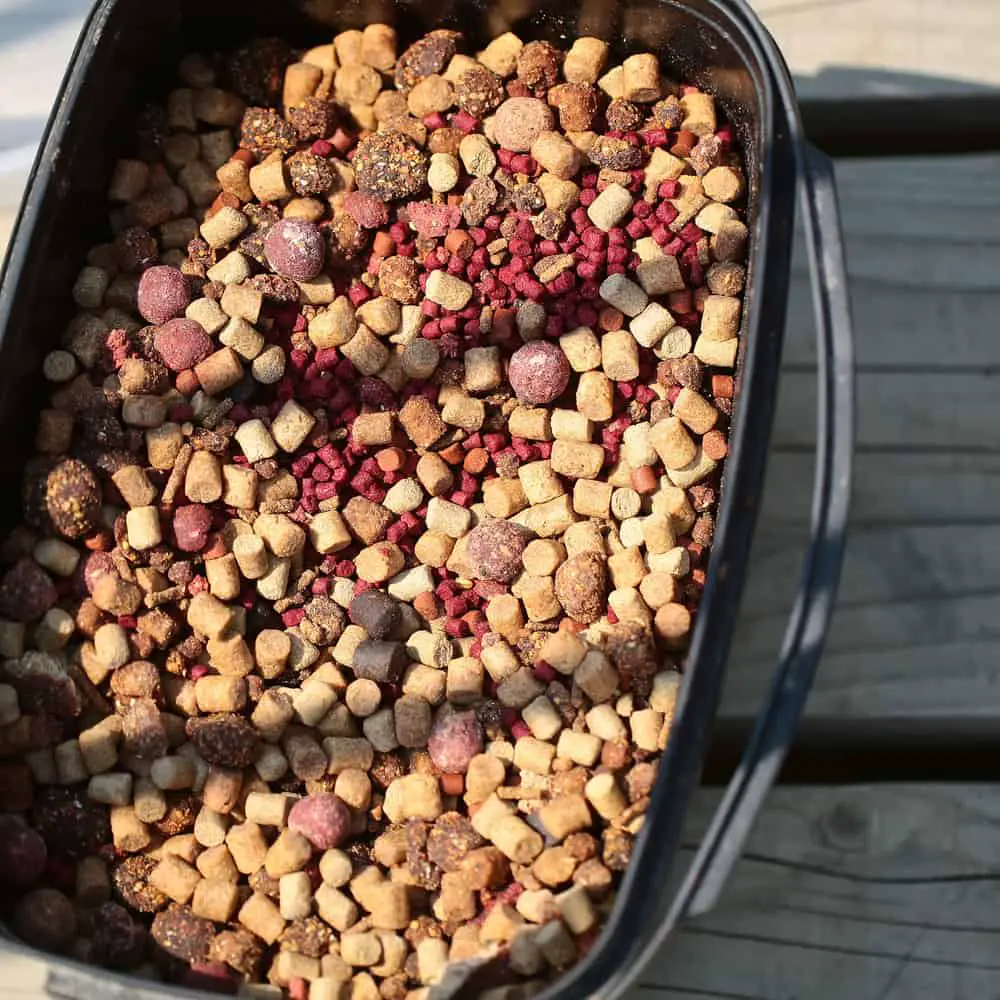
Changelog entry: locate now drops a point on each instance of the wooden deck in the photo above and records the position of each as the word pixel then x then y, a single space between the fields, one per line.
pixel 875 890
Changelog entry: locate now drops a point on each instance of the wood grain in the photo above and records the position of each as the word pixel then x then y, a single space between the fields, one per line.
pixel 923 249
pixel 883 892
pixel 857 48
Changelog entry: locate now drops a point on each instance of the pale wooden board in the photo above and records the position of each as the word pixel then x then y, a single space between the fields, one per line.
pixel 886 892
pixel 894 489
pixel 864 48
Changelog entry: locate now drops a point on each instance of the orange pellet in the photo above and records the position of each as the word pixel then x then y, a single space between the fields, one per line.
pixel 686 141
pixel 698 577
pixel 383 245
pixel 609 319
pixel 216 547
pixel 503 321
pixel 715 446
pixel 459 242
pixel 187 382
pixel 476 460
pixel 473 618
pixel 453 199
pixel 101 542
pixel 390 459
pixel 568 625
pixel 722 386
pixel 644 479
pixel 245 157
pixel 453 784
pixel 454 454
pixel 223 200
pixel 426 605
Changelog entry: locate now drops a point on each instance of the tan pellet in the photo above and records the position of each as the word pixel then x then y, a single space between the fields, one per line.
pixel 247 845
pixel 585 60
pixel 114 789
pixel 295 895
pixel 215 899
pixel 260 916
pixel 595 396
pixel 175 878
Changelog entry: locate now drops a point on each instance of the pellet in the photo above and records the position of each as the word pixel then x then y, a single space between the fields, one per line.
pixel 295 895
pixel 720 318
pixel 592 498
pixel 583 536
pixel 581 348
pixel 247 845
pixel 627 567
pixel 381 561
pixel 348 752
pixel 328 532
pixel 175 878
pixel 699 468
pixel 464 684
pixel 128 832
pixel 595 395
pixel 577 460
pixel 222 788
pixel 646 726
pixel 414 796
pixel 533 755
pixel 448 291
pixel 223 227
pixel 641 78
pixel 532 422
pixel 269 808
pixel 430 648
pixel 361 949
pixel 306 757
pixel 289 853
pixel 606 211
pixel 210 827
pixel 519 689
pixel 581 748
pixel 624 294
pixel 568 425
pixel 718 354
pixel 585 60
pixel 699 113
pixel 542 718
pixel 260 916
pixel 326 988
pixel 111 789
pixel 70 765
pixel 543 556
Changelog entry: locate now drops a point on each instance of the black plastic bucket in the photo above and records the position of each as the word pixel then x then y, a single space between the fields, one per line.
pixel 719 45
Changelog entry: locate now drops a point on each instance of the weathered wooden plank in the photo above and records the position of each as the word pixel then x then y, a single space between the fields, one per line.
pixel 867 892
pixel 888 564
pixel 914 635
pixel 902 411
pixel 912 684
pixel 895 625
pixel 950 488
